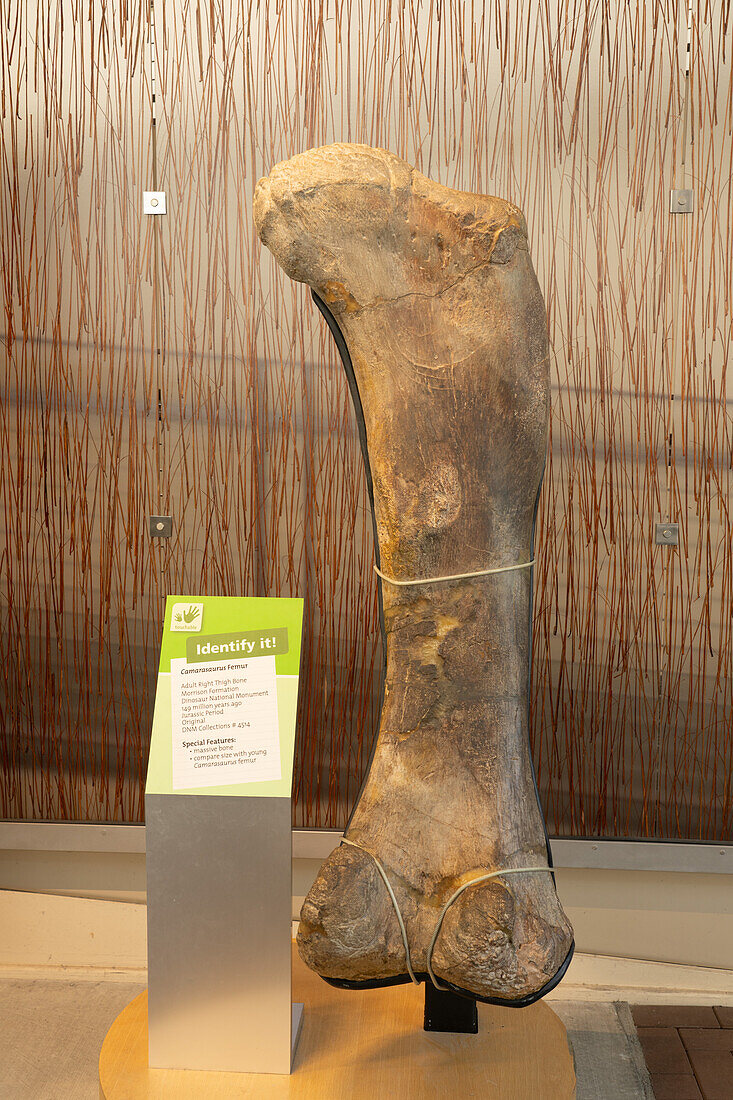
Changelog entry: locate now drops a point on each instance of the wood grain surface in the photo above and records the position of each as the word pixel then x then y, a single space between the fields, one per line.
pixel 364 1044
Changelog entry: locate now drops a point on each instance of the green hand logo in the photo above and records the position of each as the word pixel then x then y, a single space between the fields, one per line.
pixel 191 615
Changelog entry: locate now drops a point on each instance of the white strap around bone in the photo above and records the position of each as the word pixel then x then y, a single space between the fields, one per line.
pixel 390 891
pixel 456 576
pixel 452 898
pixel 456 894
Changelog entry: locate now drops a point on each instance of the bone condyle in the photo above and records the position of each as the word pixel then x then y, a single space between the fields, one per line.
pixel 434 293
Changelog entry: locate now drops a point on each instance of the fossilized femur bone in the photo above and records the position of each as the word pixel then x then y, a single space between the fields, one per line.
pixel 436 297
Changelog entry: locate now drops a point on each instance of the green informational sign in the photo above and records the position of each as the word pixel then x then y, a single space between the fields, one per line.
pixel 224 720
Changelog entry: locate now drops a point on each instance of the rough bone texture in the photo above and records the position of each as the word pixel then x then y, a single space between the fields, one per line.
pixel 439 305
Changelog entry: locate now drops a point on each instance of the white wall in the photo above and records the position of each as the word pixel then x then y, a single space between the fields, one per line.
pixel 666 916
pixel 671 917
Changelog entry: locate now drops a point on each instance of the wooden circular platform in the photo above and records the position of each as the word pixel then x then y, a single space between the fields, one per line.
pixel 367 1044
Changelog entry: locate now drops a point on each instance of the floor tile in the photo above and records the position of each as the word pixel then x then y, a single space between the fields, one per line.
pixel 675 1086
pixel 707 1038
pixel 663 1050
pixel 52 1032
pixel 724 1014
pixel 714 1072
pixel 674 1016
pixel 609 1061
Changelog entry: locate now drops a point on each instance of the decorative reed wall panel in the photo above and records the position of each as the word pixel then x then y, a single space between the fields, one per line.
pixel 166 365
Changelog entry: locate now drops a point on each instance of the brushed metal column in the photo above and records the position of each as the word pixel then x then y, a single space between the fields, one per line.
pixel 219 932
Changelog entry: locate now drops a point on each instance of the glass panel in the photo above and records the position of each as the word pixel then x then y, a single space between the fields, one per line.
pixel 165 365
pixel 80 597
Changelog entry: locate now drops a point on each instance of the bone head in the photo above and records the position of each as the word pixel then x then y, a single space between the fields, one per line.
pixel 326 213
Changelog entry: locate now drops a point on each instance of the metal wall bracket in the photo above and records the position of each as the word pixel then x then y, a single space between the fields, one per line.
pixel 153 202
pixel 161 527
pixel 666 534
pixel 681 201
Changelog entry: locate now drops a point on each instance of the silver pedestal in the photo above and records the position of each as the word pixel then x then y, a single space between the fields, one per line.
pixel 219 933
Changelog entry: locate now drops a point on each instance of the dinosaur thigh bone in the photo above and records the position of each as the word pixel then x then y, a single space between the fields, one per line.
pixel 435 296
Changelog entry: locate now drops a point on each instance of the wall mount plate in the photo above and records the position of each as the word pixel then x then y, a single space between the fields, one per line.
pixel 153 202
pixel 681 201
pixel 666 534
pixel 161 527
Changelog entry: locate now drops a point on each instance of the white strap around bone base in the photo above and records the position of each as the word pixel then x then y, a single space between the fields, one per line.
pixel 455 576
pixel 456 894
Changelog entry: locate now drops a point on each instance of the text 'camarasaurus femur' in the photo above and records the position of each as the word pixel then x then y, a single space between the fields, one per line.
pixel 444 324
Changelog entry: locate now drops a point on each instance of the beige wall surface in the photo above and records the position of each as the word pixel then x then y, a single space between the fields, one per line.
pixel 682 918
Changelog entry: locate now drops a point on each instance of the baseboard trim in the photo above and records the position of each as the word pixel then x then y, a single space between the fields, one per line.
pixel 600 978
